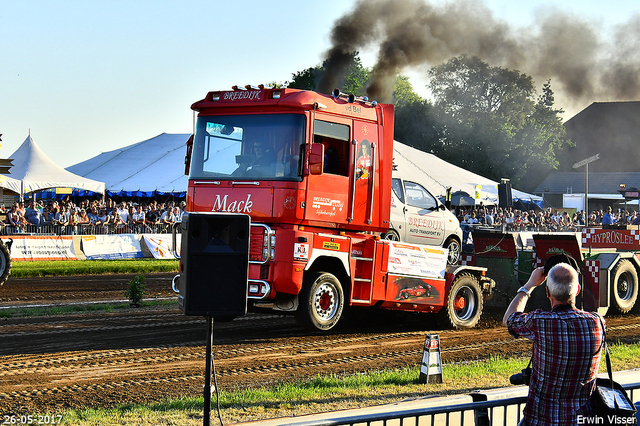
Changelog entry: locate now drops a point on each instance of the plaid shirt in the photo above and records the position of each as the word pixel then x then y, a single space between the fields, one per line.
pixel 567 346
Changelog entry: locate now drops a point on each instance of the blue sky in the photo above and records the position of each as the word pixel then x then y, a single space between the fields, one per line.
pixel 85 77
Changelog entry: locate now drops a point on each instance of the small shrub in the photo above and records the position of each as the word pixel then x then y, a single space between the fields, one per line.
pixel 135 293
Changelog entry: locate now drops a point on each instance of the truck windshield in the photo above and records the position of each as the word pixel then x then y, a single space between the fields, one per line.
pixel 260 146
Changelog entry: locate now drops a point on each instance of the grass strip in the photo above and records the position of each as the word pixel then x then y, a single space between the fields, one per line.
pixel 43 268
pixel 78 309
pixel 327 393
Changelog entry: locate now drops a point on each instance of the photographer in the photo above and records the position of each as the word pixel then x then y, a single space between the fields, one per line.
pixel 567 346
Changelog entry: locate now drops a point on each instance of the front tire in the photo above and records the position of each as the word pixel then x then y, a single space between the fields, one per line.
pixel 5 262
pixel 464 303
pixel 321 302
pixel 624 289
pixel 455 251
pixel 391 235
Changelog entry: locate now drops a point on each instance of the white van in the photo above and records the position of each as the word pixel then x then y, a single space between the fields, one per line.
pixel 418 217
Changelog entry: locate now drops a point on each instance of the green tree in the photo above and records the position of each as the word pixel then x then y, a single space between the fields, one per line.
pixel 414 118
pixel 490 122
pixel 305 79
pixel 403 93
pixel 542 139
pixel 354 80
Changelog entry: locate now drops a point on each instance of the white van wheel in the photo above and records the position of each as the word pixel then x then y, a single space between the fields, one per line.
pixel 391 235
pixel 455 251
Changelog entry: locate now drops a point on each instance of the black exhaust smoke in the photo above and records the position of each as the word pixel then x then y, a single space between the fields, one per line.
pixel 583 65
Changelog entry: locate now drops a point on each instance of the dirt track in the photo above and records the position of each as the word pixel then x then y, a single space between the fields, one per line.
pixel 148 354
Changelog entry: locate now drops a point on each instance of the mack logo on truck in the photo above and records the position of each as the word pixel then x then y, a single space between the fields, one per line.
pixel 242 206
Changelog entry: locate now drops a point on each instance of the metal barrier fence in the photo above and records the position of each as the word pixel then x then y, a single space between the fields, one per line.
pixel 500 412
pixel 57 229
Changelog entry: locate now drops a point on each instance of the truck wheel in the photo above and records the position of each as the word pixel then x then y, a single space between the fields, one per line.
pixel 391 235
pixel 455 251
pixel 624 289
pixel 5 262
pixel 464 303
pixel 321 302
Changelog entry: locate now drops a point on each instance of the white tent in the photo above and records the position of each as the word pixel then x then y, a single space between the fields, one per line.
pixel 436 175
pixel 33 171
pixel 156 164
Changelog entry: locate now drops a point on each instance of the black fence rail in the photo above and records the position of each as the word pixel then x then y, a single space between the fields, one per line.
pixel 60 229
pixel 499 412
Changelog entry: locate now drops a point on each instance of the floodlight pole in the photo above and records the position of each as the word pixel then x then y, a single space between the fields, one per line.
pixel 586 162
pixel 586 190
pixel 207 375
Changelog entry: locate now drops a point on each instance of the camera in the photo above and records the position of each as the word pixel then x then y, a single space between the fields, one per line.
pixel 521 378
pixel 560 258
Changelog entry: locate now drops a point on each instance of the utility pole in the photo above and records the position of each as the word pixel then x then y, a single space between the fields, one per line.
pixel 586 162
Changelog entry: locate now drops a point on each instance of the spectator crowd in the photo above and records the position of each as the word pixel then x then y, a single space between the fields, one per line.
pixel 108 217
pixel 548 220
pixel 91 217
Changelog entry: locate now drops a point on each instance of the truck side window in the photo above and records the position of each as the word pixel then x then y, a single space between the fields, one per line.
pixel 419 197
pixel 396 185
pixel 335 138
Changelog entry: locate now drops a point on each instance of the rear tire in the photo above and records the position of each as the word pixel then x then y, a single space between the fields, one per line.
pixel 5 262
pixel 624 288
pixel 321 302
pixel 464 303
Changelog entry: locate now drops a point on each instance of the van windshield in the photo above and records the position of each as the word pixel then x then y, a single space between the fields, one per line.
pixel 258 146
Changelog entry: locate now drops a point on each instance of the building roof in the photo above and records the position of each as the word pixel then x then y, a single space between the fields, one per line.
pixel 599 183
pixel 611 129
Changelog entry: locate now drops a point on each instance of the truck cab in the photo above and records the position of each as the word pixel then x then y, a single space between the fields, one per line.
pixel 314 173
pixel 418 217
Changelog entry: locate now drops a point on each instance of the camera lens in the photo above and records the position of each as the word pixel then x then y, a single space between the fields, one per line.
pixel 516 379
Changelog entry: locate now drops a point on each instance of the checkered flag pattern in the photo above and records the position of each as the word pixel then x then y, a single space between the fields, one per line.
pixel 586 235
pixel 468 260
pixel 592 267
pixel 537 261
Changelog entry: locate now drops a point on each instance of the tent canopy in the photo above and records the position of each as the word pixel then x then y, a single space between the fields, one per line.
pixel 437 175
pixel 461 198
pixel 34 171
pixel 155 165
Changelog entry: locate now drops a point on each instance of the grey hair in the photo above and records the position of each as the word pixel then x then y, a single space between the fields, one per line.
pixel 562 282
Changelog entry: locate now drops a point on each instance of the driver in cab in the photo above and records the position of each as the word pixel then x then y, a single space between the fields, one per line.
pixel 263 164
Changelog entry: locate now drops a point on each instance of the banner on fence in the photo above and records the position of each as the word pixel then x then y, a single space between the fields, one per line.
pixel 42 248
pixel 104 247
pixel 161 245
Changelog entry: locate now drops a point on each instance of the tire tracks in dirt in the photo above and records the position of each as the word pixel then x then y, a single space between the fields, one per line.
pixel 139 356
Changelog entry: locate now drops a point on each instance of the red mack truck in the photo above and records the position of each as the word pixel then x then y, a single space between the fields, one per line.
pixel 314 172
